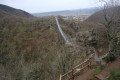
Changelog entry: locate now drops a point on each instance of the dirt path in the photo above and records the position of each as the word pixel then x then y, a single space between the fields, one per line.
pixel 86 75
pixel 108 69
pixel 103 74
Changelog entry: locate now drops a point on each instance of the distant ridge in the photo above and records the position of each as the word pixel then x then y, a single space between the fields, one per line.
pixel 9 11
pixel 68 12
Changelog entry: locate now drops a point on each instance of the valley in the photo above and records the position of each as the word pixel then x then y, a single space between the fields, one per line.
pixel 49 46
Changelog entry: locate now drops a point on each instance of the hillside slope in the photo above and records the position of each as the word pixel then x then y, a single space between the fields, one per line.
pixel 99 16
pixel 33 49
pixel 9 11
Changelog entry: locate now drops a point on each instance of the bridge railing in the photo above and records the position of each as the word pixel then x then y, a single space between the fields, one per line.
pixel 77 69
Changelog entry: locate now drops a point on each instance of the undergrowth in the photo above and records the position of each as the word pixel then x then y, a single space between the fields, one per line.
pixel 98 70
pixel 114 75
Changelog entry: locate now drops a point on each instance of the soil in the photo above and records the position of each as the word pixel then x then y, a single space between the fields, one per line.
pixel 110 67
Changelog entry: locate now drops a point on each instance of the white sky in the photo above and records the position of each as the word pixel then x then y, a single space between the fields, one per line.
pixel 34 6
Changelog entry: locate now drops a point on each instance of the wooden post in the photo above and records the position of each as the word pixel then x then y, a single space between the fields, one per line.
pixel 72 74
pixel 60 77
pixel 90 63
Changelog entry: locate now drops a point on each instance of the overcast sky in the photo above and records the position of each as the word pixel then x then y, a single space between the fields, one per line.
pixel 34 6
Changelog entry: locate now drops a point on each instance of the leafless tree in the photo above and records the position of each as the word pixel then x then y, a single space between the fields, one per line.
pixel 111 3
pixel 110 22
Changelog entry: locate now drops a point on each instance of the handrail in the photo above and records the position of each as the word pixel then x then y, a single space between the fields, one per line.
pixel 84 61
pixel 80 64
pixel 73 71
pixel 67 73
pixel 81 69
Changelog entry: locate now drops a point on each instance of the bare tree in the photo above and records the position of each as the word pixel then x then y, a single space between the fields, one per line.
pixel 110 3
pixel 110 23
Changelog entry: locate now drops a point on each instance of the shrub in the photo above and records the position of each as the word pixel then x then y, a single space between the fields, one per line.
pixel 114 75
pixel 111 57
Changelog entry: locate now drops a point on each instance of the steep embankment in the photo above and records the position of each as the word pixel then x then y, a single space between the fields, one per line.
pixel 9 11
